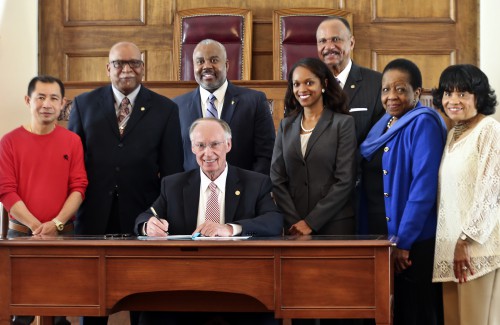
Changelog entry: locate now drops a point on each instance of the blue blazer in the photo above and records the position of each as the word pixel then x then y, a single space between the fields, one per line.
pixel 247 113
pixel 248 202
pixel 131 166
pixel 412 154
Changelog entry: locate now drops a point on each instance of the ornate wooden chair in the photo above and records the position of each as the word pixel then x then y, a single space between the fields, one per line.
pixel 294 35
pixel 230 26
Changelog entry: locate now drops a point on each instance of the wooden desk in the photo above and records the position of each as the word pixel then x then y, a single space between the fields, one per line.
pixel 318 277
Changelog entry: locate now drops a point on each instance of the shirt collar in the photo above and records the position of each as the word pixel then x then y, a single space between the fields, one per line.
pixel 218 93
pixel 131 97
pixel 342 76
pixel 219 181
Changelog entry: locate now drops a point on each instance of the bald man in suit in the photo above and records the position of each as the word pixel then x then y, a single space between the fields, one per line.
pixel 245 110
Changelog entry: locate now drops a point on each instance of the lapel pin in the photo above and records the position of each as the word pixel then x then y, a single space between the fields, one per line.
pixel 237 192
pixel 353 86
pixel 142 109
pixel 232 102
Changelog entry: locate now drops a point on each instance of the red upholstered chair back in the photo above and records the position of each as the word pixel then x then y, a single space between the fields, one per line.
pixel 230 26
pixel 295 35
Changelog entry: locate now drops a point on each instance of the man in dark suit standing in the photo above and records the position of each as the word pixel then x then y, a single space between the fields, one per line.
pixel 215 199
pixel 245 110
pixel 362 85
pixel 131 138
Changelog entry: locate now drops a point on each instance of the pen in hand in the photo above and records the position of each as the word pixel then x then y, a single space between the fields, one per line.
pixel 156 216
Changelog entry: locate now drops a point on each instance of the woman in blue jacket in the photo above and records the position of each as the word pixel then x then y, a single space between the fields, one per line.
pixel 401 157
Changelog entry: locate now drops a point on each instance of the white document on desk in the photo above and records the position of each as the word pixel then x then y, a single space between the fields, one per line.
pixel 223 238
pixel 190 237
pixel 169 237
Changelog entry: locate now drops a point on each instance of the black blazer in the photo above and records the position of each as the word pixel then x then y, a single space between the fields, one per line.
pixel 363 87
pixel 247 113
pixel 130 166
pixel 318 186
pixel 248 202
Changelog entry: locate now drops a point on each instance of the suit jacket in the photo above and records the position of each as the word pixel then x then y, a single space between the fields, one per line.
pixel 363 87
pixel 252 208
pixel 318 186
pixel 247 113
pixel 128 166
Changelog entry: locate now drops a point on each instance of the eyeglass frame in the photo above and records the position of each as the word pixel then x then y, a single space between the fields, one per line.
pixel 214 145
pixel 131 63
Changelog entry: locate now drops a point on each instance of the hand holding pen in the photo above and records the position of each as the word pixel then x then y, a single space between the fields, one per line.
pixel 156 226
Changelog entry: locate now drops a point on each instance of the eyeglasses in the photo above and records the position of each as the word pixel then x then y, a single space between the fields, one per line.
pixel 120 64
pixel 216 145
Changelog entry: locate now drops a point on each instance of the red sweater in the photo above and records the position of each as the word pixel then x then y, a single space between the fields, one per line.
pixel 41 170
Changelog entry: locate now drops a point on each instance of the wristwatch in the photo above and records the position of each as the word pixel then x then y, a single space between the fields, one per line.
pixel 59 224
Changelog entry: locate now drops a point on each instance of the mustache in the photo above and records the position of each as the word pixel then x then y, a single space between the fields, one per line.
pixel 327 52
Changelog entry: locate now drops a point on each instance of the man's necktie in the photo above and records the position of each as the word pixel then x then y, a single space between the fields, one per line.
pixel 211 109
pixel 123 113
pixel 213 210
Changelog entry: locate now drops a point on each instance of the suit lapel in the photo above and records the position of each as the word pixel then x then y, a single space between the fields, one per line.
pixel 191 194
pixel 108 108
pixel 324 122
pixel 141 108
pixel 352 84
pixel 233 193
pixel 195 105
pixel 230 102
pixel 295 134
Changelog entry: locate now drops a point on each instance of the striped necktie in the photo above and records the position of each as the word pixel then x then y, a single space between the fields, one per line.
pixel 211 109
pixel 213 210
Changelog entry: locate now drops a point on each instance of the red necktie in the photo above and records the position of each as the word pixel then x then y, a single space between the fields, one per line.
pixel 213 210
pixel 123 112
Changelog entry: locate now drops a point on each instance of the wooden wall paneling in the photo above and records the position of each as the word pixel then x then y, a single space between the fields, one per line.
pixel 436 27
pixel 467 32
pixel 50 44
pixel 413 10
pixel 430 63
pixel 104 12
pixel 86 66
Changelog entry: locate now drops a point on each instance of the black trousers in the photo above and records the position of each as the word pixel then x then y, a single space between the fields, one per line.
pixel 417 300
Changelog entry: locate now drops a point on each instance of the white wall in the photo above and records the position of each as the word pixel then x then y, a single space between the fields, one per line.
pixel 18 59
pixel 19 51
pixel 490 47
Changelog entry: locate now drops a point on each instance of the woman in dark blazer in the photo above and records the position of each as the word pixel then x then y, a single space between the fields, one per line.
pixel 313 164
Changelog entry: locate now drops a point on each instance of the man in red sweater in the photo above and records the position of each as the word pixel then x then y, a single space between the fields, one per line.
pixel 42 172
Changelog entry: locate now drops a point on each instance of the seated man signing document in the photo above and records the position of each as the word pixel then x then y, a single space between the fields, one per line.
pixel 215 200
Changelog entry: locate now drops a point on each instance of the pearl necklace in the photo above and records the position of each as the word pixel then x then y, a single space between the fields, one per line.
pixel 393 119
pixel 305 130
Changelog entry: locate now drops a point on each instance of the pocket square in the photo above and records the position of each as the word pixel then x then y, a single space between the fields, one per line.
pixel 358 109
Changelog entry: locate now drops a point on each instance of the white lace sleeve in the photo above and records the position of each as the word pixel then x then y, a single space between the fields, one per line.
pixel 485 210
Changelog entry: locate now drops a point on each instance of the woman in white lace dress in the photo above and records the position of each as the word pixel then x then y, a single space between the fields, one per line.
pixel 467 258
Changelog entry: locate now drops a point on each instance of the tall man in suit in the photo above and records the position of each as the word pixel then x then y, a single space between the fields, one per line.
pixel 245 110
pixel 215 199
pixel 131 139
pixel 362 85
